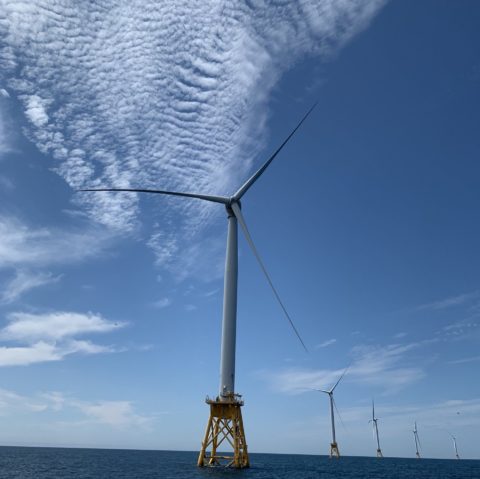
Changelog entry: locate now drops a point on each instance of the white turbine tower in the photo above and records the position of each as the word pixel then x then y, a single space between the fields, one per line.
pixel 225 423
pixel 417 441
pixel 455 446
pixel 374 421
pixel 334 452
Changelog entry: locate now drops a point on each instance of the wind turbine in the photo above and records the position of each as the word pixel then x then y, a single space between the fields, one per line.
pixel 225 424
pixel 455 446
pixel 334 452
pixel 417 441
pixel 374 421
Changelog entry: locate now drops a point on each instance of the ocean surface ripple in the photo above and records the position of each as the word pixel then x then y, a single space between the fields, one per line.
pixel 61 463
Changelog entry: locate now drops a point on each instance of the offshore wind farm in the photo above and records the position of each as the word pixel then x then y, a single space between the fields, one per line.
pixel 176 221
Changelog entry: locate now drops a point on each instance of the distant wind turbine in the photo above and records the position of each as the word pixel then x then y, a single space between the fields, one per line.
pixel 417 441
pixel 334 452
pixel 374 421
pixel 455 446
pixel 225 424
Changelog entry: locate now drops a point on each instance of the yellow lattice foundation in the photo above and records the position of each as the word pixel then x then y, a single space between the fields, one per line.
pixel 224 429
pixel 334 452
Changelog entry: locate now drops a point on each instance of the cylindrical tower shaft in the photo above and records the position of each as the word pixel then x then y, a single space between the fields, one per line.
pixel 376 434
pixel 229 324
pixel 333 419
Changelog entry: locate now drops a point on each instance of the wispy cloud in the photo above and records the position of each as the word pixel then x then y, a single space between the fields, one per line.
pixel 464 329
pixel 162 303
pixel 55 326
pixel 451 301
pixel 24 281
pixel 51 336
pixel 26 251
pixel 326 343
pixel 113 413
pixel 471 359
pixel 387 367
pixel 124 105
pixel 12 402
pixel 116 414
pixel 22 245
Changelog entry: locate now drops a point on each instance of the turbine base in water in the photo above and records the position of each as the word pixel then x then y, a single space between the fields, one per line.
pixel 379 453
pixel 224 428
pixel 334 452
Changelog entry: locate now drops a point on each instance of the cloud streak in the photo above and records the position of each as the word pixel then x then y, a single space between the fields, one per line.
pixel 24 281
pixel 22 245
pixel 386 367
pixel 114 413
pixel 153 94
pixel 51 337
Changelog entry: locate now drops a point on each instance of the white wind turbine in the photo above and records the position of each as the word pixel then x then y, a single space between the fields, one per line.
pixel 455 446
pixel 374 421
pixel 225 422
pixel 417 441
pixel 334 452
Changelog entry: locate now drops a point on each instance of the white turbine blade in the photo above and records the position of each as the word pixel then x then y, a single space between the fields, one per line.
pixel 244 188
pixel 373 409
pixel 238 213
pixel 338 412
pixel 339 379
pixel 214 199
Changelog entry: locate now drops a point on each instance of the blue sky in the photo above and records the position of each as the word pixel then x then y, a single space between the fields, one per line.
pixel 110 304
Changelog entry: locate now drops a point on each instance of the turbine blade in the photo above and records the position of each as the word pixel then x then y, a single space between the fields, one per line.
pixel 338 413
pixel 238 213
pixel 373 409
pixel 340 378
pixel 244 188
pixel 418 439
pixel 214 199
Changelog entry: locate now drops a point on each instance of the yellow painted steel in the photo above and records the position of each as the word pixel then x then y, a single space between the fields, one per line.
pixel 334 452
pixel 224 428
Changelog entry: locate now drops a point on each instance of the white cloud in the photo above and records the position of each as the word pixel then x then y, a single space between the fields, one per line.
pixel 162 303
pixel 470 359
pixel 112 413
pixel 39 352
pixel 4 136
pixel 326 343
pixel 24 281
pixel 35 109
pixel 452 301
pixel 50 337
pixel 133 109
pixel 387 367
pixel 116 414
pixel 54 326
pixel 23 245
pixel 13 402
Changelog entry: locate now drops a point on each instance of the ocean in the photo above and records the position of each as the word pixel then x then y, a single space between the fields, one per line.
pixel 60 463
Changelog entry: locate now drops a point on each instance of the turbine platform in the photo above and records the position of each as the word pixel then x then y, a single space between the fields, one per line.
pixel 224 428
pixel 334 452
pixel 379 453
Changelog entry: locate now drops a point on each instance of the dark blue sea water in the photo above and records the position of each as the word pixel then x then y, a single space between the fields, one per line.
pixel 57 463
